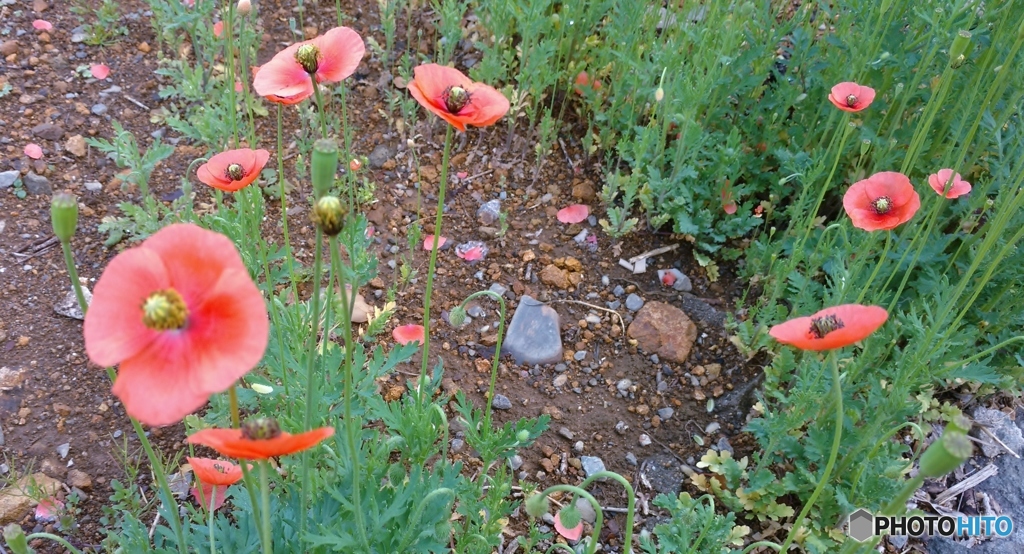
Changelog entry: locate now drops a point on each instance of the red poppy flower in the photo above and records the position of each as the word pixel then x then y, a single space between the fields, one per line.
pixel 455 98
pixel 574 213
pixel 830 328
pixel 957 188
pixel 583 82
pixel 728 202
pixel 851 97
pixel 183 319
pixel 332 57
pixel 284 100
pixel 233 170
pixel 218 29
pixel 243 444
pixel 408 333
pixel 214 476
pixel 885 200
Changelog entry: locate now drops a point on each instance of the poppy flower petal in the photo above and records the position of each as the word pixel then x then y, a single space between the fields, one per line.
pixel 231 443
pixel 113 327
pixel 99 71
pixel 341 51
pixel 428 242
pixel 418 91
pixel 140 382
pixel 215 472
pixel 209 496
pixel 218 29
pixel 486 106
pixel 857 323
pixel 574 213
pixel 283 76
pixel 200 257
pixel 42 25
pixel 33 151
pixel 408 333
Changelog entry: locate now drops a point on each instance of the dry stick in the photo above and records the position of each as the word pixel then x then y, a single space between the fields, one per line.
pixel 1001 443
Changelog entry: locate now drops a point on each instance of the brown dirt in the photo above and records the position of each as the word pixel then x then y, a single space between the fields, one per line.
pixel 62 398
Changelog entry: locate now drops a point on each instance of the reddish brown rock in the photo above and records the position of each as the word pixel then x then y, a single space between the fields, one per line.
pixel 555 277
pixel 664 330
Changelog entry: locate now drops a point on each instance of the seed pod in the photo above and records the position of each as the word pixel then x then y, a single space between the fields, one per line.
pixel 325 165
pixel 64 215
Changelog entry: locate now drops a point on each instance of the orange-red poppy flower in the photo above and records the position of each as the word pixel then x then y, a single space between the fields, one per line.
pixel 332 57
pixel 455 98
pixel 183 319
pixel 258 439
pixel 582 82
pixel 284 100
pixel 957 186
pixel 830 328
pixel 885 200
pixel 233 170
pixel 851 97
pixel 408 333
pixel 214 476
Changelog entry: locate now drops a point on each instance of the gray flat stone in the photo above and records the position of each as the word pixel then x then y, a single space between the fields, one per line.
pixel 501 402
pixel 591 465
pixel 7 178
pixel 68 307
pixel 634 302
pixel 534 335
pixel 37 184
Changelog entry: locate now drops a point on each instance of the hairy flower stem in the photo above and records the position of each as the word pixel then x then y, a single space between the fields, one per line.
pixel 351 423
pixel 319 107
pixel 209 523
pixel 497 348
pixel 246 97
pixel 236 420
pixel 50 536
pixel 284 211
pixel 310 367
pixel 69 263
pixel 627 533
pixel 837 393
pixel 438 220
pixel 230 55
pixel 268 540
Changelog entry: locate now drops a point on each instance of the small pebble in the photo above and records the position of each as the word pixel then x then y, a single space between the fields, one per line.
pixel 634 302
pixel 501 402
pixel 665 413
pixel 712 428
pixel 631 459
pixel 99 109
pixel 645 440
pixel 566 433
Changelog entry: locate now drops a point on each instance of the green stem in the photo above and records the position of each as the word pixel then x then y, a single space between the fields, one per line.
pixel 209 524
pixel 69 262
pixel 157 465
pixel 598 522
pixel 54 538
pixel 351 423
pixel 310 367
pixel 232 107
pixel 236 420
pixel 246 97
pixel 284 210
pixel 438 220
pixel 268 541
pixel 497 347
pixel 878 266
pixel 837 392
pixel 627 534
pixel 319 107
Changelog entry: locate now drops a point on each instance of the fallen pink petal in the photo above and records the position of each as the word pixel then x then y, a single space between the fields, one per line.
pixel 428 242
pixel 573 214
pixel 472 251
pixel 47 510
pixel 33 151
pixel 408 333
pixel 42 25
pixel 99 71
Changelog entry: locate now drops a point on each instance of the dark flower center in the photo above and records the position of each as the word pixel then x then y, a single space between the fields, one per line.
pixel 851 100
pixel 235 172
pixel 164 310
pixel 455 98
pixel 261 429
pixel 219 468
pixel 821 326
pixel 308 56
pixel 882 205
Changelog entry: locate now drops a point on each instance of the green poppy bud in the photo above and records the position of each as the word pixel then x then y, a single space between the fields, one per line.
pixel 523 436
pixel 64 215
pixel 960 424
pixel 537 505
pixel 457 317
pixel 569 516
pixel 957 52
pixel 329 214
pixel 325 165
pixel 946 454
pixel 16 540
